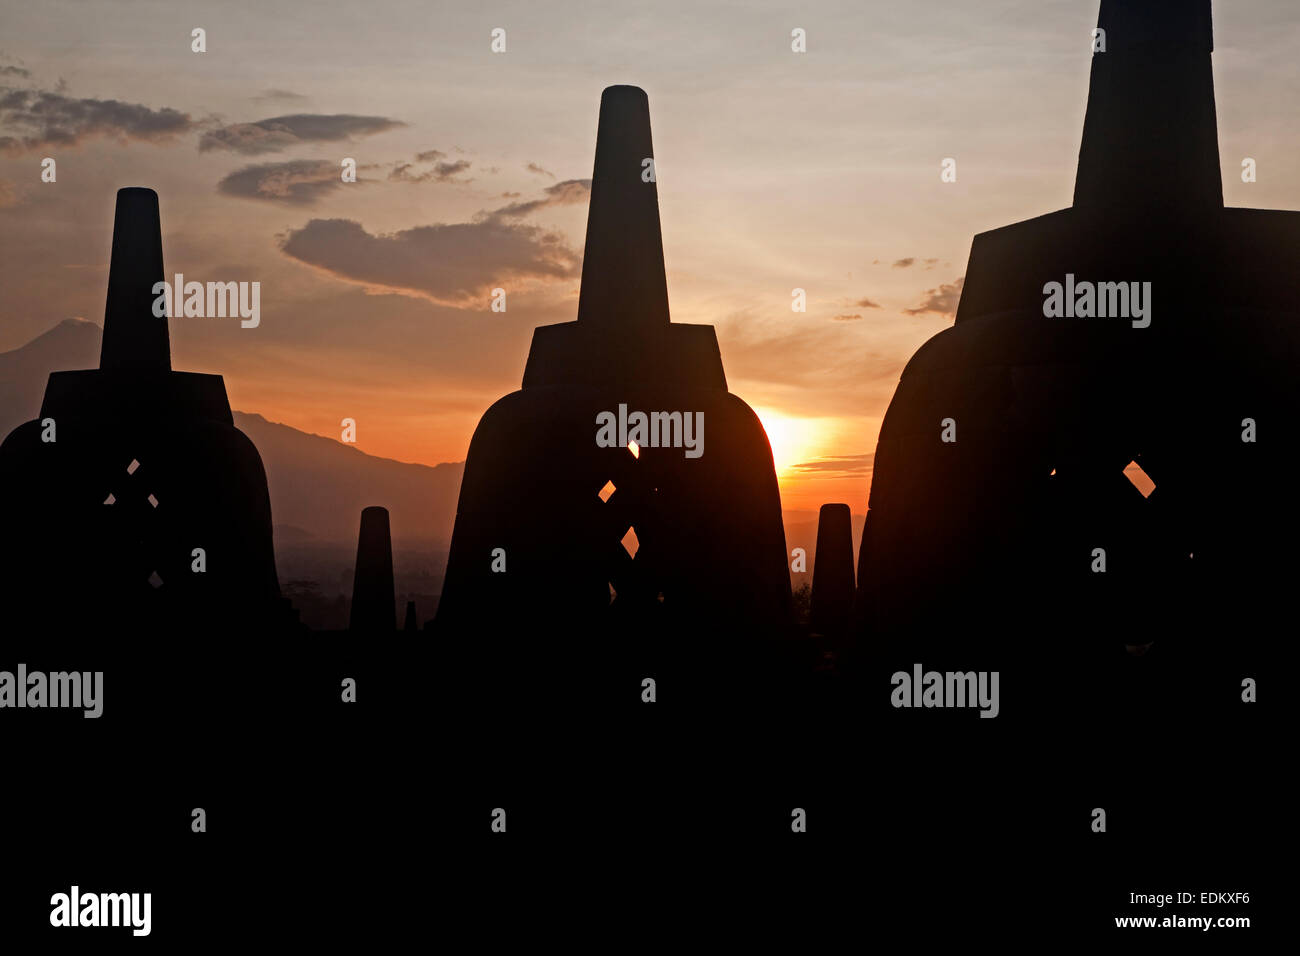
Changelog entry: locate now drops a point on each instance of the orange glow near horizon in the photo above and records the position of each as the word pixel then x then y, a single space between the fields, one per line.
pixel 793 440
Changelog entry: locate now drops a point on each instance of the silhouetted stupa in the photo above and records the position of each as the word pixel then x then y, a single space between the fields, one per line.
pixel 554 530
pixel 133 503
pixel 993 539
pixel 374 607
pixel 833 584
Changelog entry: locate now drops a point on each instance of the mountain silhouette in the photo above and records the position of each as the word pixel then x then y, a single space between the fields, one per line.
pixel 318 484
pixel 72 344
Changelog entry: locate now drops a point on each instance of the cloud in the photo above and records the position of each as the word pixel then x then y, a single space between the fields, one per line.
pixel 15 71
pixel 940 301
pixel 863 303
pixel 452 264
pixel 837 466
pixel 278 95
pixel 905 263
pixel 534 168
pixel 442 172
pixel 567 193
pixel 812 369
pixel 299 182
pixel 43 118
pixel 282 132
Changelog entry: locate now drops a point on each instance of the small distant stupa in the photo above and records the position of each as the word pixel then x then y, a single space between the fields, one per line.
pixel 374 605
pixel 833 583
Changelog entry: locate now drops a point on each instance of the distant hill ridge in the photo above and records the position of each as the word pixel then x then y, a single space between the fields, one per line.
pixel 318 485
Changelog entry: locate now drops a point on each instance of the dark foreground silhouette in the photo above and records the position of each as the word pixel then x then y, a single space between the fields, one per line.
pixel 592 566
pixel 133 503
pixel 360 769
pixel 987 549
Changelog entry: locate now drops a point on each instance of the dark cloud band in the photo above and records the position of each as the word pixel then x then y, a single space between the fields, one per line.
pixel 282 132
pixel 42 118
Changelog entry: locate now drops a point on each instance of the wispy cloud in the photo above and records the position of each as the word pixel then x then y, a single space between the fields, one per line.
pixel 940 301
pixel 836 466
pixel 282 132
pixel 42 118
pixel 809 368
pixel 277 95
pixel 441 171
pixel 298 182
pixel 448 263
pixel 567 193
pixel 451 264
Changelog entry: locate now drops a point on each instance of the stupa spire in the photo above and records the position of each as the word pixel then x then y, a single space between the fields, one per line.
pixel 1150 136
pixel 134 338
pixel 623 283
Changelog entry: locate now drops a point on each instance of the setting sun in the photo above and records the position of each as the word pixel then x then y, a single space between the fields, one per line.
pixel 793 440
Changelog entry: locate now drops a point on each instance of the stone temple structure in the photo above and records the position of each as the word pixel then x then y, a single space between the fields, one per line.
pixel 1003 524
pixel 833 583
pixel 133 504
pixel 561 539
pixel 374 605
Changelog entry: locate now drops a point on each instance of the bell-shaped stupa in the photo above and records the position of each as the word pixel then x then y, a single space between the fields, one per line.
pixel 1093 462
pixel 133 504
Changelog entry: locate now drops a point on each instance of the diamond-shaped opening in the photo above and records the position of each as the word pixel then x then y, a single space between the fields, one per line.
pixel 110 499
pixel 634 448
pixel 661 597
pixel 155 580
pixel 1140 479
pixel 612 594
pixel 605 493
pixel 630 543
pixel 130 469
pixel 153 501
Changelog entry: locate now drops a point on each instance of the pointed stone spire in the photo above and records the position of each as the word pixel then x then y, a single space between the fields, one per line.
pixel 833 579
pixel 374 607
pixel 623 283
pixel 134 338
pixel 1150 136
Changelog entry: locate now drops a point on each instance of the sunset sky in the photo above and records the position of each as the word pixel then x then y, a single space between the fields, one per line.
pixel 776 170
